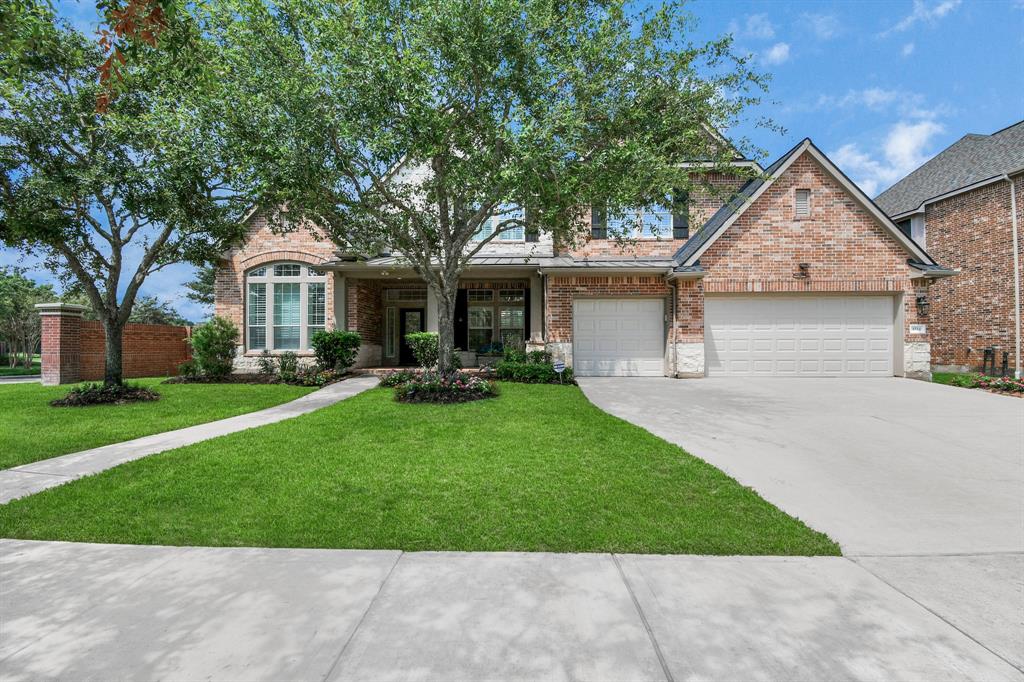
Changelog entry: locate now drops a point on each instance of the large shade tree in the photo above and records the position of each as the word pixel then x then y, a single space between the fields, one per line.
pixel 431 127
pixel 108 197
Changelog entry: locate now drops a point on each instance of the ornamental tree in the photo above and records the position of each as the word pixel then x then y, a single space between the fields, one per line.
pixel 107 199
pixel 408 125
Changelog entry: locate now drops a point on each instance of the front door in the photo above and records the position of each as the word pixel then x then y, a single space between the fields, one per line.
pixel 410 320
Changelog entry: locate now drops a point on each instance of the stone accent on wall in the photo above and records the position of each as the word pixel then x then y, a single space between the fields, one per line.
pixel 370 355
pixel 560 351
pixel 688 362
pixel 917 360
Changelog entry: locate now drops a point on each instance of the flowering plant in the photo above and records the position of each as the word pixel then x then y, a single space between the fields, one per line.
pixel 436 387
pixel 1001 384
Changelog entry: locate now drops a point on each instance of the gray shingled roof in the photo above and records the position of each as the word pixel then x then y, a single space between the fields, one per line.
pixel 730 207
pixel 970 159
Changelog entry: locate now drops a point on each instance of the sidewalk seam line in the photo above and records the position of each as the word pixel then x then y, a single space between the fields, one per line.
pixel 937 615
pixel 359 624
pixel 643 619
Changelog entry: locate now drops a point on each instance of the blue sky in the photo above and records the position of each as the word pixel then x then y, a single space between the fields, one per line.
pixel 880 86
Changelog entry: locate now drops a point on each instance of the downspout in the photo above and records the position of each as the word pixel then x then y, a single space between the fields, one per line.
pixel 675 353
pixel 1016 277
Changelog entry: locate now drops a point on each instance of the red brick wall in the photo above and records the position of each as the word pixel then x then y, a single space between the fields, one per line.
pixel 972 232
pixel 260 246
pixel 149 350
pixel 845 246
pixel 60 357
pixel 562 290
pixel 364 306
pixel 703 204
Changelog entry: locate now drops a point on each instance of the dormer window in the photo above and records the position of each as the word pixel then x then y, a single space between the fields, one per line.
pixel 803 203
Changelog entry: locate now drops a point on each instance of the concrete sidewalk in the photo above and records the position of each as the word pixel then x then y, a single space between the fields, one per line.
pixel 31 478
pixel 84 611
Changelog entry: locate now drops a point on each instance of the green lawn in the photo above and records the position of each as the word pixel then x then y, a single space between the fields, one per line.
pixel 946 377
pixel 32 430
pixel 537 469
pixel 7 371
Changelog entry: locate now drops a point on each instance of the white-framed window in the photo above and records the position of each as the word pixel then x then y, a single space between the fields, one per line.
pixel 495 315
pixel 390 331
pixel 802 203
pixel 653 222
pixel 296 295
pixel 513 233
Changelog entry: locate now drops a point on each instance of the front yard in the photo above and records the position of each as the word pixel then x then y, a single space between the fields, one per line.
pixel 33 430
pixel 537 469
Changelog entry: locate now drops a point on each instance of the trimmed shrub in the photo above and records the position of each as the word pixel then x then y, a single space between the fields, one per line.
pixel 266 363
pixel 336 350
pixel 531 373
pixel 188 369
pixel 516 355
pixel 425 348
pixel 539 357
pixel 99 394
pixel 398 377
pixel 288 366
pixel 213 347
pixel 433 387
pixel 314 376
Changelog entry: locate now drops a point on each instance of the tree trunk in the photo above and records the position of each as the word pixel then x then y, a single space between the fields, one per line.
pixel 112 373
pixel 446 324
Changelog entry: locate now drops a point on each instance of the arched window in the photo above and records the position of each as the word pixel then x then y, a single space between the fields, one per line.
pixel 286 304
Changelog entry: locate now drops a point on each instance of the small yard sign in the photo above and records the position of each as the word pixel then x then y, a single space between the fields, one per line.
pixel 559 367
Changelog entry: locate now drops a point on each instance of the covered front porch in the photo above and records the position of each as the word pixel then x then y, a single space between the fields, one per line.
pixel 496 307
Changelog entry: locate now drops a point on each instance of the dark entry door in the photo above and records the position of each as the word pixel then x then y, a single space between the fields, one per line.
pixel 410 320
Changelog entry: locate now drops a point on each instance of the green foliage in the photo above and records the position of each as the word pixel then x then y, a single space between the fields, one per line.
pixel 151 310
pixel 189 368
pixel 516 355
pixel 201 289
pixel 266 363
pixel 288 366
pixel 105 394
pixel 336 350
pixel 213 347
pixel 965 380
pixel 449 387
pixel 424 348
pixel 20 327
pixel 531 373
pixel 1001 384
pixel 398 377
pixel 146 182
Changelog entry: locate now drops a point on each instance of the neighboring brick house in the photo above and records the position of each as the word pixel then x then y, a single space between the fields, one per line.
pixel 793 273
pixel 966 206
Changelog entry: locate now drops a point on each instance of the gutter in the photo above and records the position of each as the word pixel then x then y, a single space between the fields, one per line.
pixel 1016 277
pixel 960 190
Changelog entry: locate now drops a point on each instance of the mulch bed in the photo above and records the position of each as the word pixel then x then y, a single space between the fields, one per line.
pixel 98 394
pixel 229 379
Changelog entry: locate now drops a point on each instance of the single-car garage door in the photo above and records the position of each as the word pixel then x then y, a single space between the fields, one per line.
pixel 799 335
pixel 619 337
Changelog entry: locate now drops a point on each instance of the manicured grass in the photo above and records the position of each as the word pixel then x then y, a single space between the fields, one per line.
pixel 537 469
pixel 32 430
pixel 944 377
pixel 7 371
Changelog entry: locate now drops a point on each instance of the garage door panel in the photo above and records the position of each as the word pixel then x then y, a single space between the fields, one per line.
pixel 618 337
pixel 774 335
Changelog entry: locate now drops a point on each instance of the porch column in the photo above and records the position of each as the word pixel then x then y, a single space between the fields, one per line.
pixel 432 325
pixel 61 342
pixel 536 311
pixel 340 303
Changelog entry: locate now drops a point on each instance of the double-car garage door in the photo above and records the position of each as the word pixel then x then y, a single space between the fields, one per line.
pixel 764 335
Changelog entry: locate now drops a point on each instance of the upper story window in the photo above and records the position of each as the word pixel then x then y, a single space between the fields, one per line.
pixel 802 203
pixel 655 222
pixel 515 232
pixel 285 305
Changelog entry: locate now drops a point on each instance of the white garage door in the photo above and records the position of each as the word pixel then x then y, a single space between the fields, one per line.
pixel 799 336
pixel 618 337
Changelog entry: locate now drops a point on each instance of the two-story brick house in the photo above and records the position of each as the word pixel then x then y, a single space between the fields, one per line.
pixel 793 273
pixel 966 206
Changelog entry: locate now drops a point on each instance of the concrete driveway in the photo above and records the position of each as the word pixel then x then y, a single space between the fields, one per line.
pixel 884 466
pixel 921 484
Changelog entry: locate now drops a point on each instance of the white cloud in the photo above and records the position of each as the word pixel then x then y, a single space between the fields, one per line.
pixel 923 12
pixel 776 54
pixel 908 49
pixel 876 99
pixel 904 148
pixel 823 26
pixel 757 26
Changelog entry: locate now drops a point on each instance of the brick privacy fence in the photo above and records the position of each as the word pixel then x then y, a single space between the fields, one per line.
pixel 73 348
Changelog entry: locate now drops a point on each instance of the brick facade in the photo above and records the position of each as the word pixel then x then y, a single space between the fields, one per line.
pixel 703 204
pixel 562 290
pixel 73 349
pixel 365 308
pixel 972 233
pixel 260 246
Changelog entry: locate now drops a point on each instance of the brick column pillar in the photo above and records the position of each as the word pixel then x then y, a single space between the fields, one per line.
pixel 61 352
